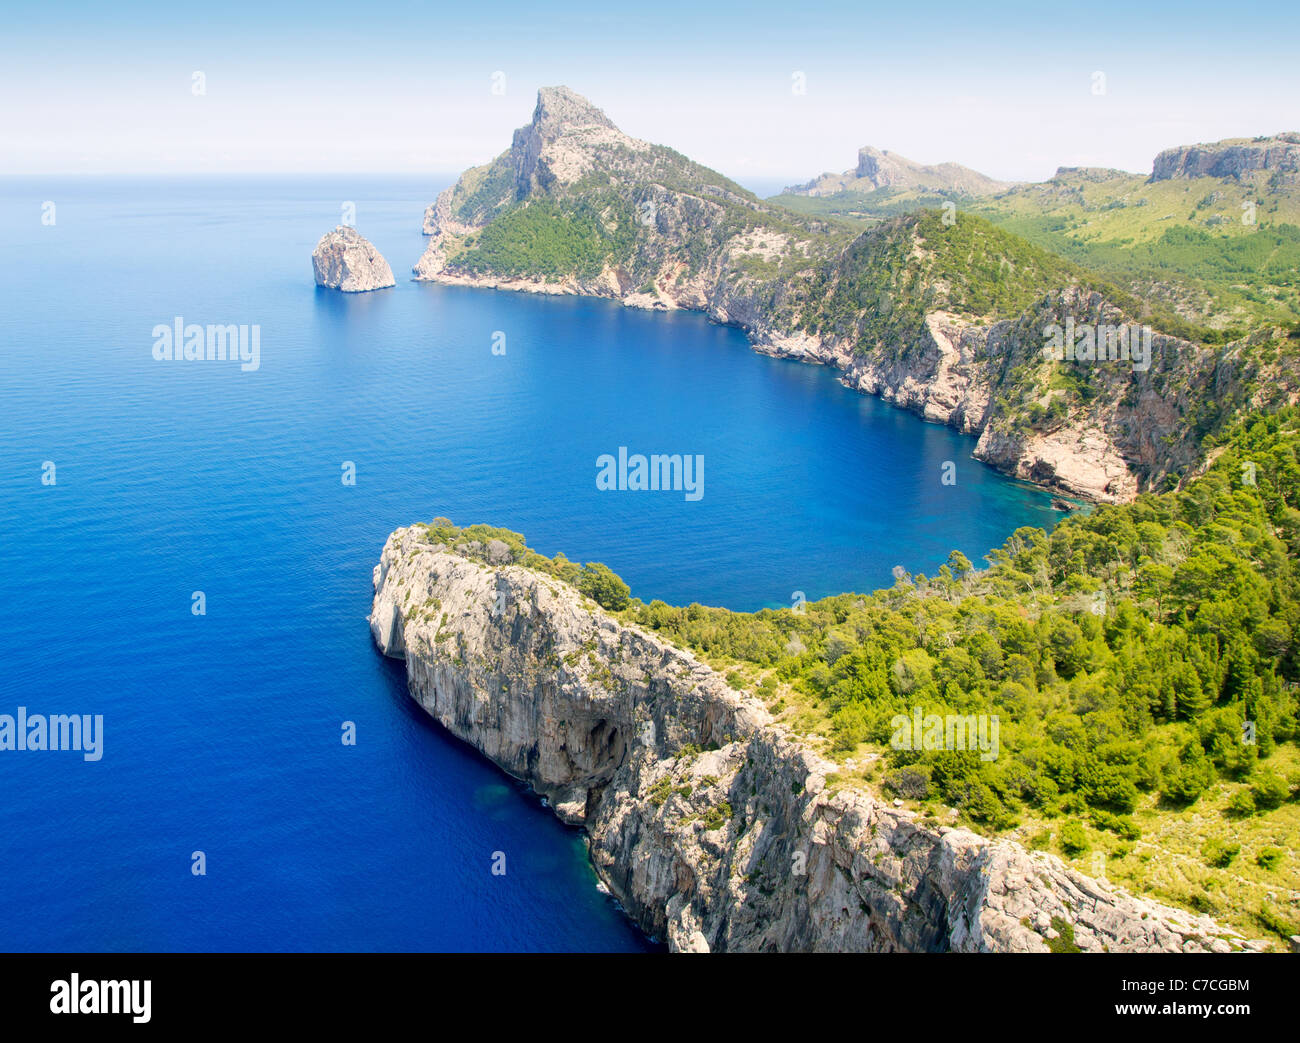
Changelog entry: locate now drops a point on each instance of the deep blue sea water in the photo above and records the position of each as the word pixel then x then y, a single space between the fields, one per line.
pixel 222 731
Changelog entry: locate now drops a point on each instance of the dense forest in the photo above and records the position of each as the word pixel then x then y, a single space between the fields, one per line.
pixel 1124 653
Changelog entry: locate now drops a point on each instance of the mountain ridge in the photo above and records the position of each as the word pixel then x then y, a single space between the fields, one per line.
pixel 881 168
pixel 942 314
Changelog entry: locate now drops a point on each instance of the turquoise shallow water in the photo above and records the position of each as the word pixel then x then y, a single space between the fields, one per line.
pixel 222 731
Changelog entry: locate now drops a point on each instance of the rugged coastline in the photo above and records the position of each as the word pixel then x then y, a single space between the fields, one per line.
pixel 716 828
pixel 876 307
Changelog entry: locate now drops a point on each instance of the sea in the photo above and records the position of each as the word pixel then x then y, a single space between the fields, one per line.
pixel 186 556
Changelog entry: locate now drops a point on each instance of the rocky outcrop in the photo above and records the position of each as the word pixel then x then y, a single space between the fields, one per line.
pixel 880 168
pixel 557 146
pixel 714 827
pixel 345 260
pixel 1099 175
pixel 1233 158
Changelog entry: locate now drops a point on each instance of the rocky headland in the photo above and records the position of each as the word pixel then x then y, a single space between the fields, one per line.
pixel 1234 158
pixel 716 828
pixel 946 318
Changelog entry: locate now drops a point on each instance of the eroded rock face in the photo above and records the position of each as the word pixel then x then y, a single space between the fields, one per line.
pixel 1231 158
pixel 712 825
pixel 345 260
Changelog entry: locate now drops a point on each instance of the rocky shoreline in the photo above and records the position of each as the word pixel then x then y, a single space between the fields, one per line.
pixel 715 827
pixel 1136 430
pixel 944 378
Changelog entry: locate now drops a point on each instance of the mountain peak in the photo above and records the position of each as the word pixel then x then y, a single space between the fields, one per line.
pixel 558 146
pixel 881 168
pixel 559 109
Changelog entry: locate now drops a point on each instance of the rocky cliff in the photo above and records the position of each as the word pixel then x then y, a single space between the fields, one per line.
pixel 714 827
pixel 1233 158
pixel 345 260
pixel 945 318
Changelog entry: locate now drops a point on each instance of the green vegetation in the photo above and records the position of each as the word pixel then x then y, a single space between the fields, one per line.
pixel 717 815
pixel 1220 854
pixel 1064 940
pixel 867 209
pixel 541 239
pixel 881 287
pixel 600 584
pixel 1223 254
pixel 605 220
pixel 1074 841
pixel 1123 653
pixel 969 266
pixel 595 580
pixel 482 191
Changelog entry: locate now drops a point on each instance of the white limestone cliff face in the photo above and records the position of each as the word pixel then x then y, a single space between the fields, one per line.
pixel 1140 427
pixel 345 260
pixel 1233 158
pixel 710 823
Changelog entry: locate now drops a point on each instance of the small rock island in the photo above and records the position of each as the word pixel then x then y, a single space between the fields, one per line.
pixel 346 260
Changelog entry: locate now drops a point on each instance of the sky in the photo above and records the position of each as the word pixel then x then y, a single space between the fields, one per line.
pixel 1012 89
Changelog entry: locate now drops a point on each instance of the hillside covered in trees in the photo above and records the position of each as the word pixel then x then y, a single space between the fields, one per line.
pixel 1141 661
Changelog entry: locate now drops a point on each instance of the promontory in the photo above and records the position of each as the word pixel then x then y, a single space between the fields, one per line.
pixel 716 827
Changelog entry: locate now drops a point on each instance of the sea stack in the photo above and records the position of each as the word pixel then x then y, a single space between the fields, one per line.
pixel 346 260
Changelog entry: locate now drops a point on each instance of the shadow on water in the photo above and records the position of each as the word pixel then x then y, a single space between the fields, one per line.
pixel 498 795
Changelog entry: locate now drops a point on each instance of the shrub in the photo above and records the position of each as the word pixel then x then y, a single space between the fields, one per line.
pixel 1120 825
pixel 1241 804
pixel 850 726
pixel 1269 858
pixel 910 783
pixel 1064 940
pixel 1271 920
pixel 1270 790
pixel 603 586
pixel 1074 841
pixel 1219 854
pixel 717 815
pixel 1186 782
